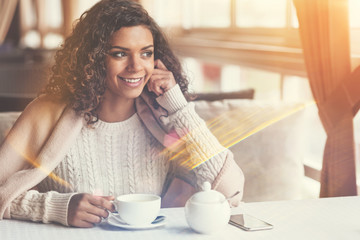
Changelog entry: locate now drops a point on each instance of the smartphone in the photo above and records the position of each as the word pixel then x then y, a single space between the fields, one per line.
pixel 249 223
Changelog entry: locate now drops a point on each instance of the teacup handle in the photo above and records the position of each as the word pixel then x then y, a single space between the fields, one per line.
pixel 112 213
pixel 116 214
pixel 112 202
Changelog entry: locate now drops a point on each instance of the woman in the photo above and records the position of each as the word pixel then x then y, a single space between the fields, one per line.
pixel 112 120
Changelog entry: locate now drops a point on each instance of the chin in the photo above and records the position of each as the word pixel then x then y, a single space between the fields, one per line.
pixel 135 94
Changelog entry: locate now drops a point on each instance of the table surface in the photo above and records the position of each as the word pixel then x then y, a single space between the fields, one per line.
pixel 327 218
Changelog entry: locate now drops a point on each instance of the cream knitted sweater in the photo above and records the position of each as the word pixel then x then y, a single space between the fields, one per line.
pixel 118 158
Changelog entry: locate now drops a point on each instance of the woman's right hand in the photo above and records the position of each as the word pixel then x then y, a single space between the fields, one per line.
pixel 85 210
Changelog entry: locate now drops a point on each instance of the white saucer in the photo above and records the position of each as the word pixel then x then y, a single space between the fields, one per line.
pixel 115 222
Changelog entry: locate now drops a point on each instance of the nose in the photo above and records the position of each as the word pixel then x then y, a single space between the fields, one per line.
pixel 134 64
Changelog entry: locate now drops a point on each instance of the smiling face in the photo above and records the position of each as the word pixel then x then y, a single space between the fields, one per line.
pixel 129 63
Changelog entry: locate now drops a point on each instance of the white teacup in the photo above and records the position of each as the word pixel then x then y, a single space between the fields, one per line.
pixel 138 209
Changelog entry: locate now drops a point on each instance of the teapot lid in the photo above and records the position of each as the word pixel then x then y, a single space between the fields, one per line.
pixel 207 195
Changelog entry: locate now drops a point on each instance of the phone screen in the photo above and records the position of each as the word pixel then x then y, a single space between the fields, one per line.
pixel 249 223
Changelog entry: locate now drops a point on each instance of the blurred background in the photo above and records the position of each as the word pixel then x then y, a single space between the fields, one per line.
pixel 225 46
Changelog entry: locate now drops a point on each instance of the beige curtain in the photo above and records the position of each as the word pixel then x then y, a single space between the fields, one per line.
pixel 324 31
pixel 7 10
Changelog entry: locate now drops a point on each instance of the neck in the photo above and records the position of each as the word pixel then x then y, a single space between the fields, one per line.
pixel 116 110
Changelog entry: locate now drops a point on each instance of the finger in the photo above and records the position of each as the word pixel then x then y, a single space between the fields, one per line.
pixel 87 221
pixel 92 215
pixel 157 90
pixel 82 224
pixel 160 72
pixel 91 218
pixel 110 199
pixel 156 79
pixel 149 87
pixel 102 213
pixel 165 82
pixel 157 86
pixel 101 203
pixel 97 211
pixel 160 65
pixel 85 224
pixel 80 219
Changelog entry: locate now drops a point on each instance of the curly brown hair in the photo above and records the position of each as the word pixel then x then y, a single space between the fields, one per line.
pixel 78 75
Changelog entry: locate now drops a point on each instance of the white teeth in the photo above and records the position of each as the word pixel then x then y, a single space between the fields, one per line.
pixel 131 80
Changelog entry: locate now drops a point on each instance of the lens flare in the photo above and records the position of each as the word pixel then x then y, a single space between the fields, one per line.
pixel 35 164
pixel 230 128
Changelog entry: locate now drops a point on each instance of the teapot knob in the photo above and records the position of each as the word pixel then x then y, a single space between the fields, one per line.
pixel 206 186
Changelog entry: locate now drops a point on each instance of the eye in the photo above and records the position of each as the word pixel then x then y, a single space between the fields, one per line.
pixel 118 54
pixel 147 54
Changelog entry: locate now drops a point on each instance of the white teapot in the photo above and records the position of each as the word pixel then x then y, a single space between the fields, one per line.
pixel 207 211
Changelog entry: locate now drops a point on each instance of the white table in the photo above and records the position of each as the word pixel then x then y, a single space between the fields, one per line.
pixel 331 218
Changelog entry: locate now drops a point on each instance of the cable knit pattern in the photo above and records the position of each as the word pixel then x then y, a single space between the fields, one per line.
pixel 206 154
pixel 120 158
pixel 109 162
pixel 150 165
pixel 194 133
pixel 45 207
pixel 108 159
pixel 131 165
pixel 88 160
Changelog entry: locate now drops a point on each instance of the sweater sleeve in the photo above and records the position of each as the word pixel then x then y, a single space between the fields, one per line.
pixel 45 207
pixel 206 155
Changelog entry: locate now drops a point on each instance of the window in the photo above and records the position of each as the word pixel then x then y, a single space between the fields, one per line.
pixel 215 15
pixel 255 13
pixel 42 22
pixel 254 43
pixel 354 19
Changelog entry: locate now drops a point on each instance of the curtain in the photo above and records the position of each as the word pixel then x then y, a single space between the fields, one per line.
pixel 324 32
pixel 7 10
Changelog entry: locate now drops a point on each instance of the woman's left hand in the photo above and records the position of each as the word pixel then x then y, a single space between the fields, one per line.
pixel 161 80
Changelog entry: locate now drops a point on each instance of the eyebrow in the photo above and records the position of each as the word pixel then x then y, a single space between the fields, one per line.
pixel 127 49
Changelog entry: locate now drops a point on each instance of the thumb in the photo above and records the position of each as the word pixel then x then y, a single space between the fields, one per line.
pixel 109 198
